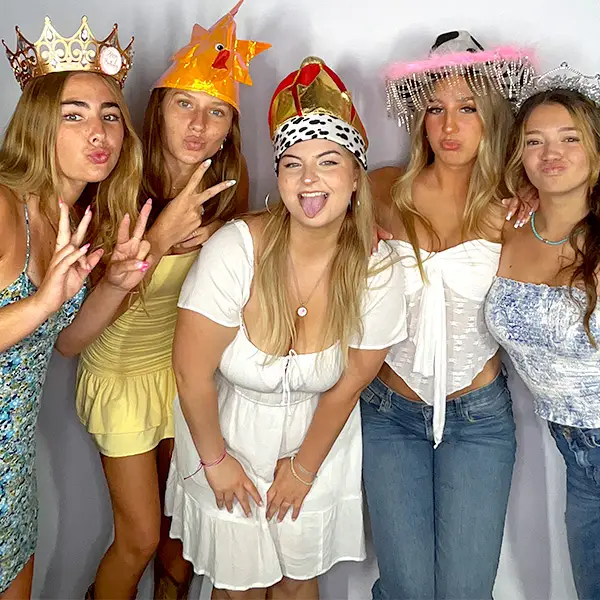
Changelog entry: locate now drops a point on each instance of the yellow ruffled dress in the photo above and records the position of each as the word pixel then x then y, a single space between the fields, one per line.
pixel 125 380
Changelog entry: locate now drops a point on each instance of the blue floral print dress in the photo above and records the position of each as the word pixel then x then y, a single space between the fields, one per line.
pixel 22 373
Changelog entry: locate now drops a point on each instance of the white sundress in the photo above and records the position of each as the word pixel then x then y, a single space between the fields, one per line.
pixel 264 413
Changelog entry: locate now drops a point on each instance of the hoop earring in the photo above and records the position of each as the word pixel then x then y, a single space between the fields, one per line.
pixel 267 204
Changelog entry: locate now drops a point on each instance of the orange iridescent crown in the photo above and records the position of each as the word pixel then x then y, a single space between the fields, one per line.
pixel 53 53
pixel 214 61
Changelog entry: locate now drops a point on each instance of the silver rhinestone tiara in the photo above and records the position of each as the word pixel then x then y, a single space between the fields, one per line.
pixel 564 77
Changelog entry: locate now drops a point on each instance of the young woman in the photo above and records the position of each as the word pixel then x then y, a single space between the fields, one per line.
pixel 438 432
pixel 283 321
pixel 126 385
pixel 543 307
pixel 70 136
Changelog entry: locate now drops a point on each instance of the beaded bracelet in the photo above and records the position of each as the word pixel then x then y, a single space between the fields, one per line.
pixel 207 465
pixel 309 473
pixel 308 483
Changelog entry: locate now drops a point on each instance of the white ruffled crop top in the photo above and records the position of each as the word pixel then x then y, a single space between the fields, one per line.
pixel 448 341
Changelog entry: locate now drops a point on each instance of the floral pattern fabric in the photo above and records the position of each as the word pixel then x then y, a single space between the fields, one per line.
pixel 23 370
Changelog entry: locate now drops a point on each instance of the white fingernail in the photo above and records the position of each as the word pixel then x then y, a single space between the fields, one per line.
pixel 207 162
pixel 231 182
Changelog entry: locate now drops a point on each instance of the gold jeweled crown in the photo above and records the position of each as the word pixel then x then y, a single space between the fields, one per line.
pixel 53 53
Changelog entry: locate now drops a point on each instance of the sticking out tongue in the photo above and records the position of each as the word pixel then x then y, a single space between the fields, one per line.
pixel 312 205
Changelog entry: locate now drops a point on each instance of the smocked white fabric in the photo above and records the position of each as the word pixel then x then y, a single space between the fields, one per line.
pixel 448 342
pixel 265 409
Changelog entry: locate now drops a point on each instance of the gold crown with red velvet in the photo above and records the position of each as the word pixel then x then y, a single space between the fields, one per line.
pixel 314 103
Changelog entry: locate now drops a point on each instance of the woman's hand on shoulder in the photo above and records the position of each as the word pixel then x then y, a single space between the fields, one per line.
pixel 183 215
pixel 523 205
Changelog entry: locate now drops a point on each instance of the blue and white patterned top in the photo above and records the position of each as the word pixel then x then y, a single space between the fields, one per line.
pixel 541 328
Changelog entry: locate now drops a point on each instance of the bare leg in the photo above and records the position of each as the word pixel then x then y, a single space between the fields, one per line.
pixel 134 493
pixel 172 573
pixel 254 594
pixel 292 589
pixel 20 588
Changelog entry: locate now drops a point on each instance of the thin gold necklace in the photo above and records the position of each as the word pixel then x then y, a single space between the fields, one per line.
pixel 302 311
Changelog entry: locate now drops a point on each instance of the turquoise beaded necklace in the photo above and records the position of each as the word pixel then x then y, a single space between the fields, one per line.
pixel 539 237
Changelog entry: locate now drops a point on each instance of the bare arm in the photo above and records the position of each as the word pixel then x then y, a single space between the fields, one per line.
pixel 382 181
pixel 336 404
pixel 197 350
pixel 179 220
pixel 64 278
pixel 203 233
pixel 329 418
pixel 98 312
pixel 109 299
pixel 19 319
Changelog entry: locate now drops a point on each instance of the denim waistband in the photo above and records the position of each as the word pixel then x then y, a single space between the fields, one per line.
pixel 481 395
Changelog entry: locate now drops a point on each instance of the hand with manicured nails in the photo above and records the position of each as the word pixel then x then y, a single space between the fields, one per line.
pixel 525 203
pixel 128 264
pixel 183 215
pixel 69 266
pixel 379 233
pixel 286 492
pixel 198 237
pixel 228 480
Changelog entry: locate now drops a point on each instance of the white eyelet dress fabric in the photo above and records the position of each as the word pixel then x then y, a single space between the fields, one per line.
pixel 265 409
pixel 448 342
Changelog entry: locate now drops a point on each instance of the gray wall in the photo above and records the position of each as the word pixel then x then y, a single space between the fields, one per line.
pixel 357 38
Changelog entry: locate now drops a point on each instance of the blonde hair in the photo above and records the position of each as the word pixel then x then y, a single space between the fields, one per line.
pixel 585 235
pixel 347 281
pixel 28 160
pixel 483 195
pixel 156 183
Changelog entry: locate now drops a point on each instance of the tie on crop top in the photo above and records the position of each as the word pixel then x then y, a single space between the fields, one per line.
pixel 448 342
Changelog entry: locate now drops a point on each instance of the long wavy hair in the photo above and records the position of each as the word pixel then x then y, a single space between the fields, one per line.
pixel 483 195
pixel 156 182
pixel 584 238
pixel 348 274
pixel 28 163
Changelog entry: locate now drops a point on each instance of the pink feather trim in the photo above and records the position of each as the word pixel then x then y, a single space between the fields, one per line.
pixel 464 59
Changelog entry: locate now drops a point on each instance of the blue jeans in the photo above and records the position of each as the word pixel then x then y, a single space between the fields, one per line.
pixel 581 450
pixel 437 515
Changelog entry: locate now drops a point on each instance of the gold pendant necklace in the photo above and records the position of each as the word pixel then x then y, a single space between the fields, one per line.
pixel 302 311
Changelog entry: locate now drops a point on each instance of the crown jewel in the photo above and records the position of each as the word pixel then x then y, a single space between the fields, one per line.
pixel 53 53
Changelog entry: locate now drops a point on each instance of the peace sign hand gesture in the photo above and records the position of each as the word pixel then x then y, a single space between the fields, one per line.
pixel 183 215
pixel 128 264
pixel 69 266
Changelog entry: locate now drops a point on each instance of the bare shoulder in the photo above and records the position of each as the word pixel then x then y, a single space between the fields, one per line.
pixel 382 181
pixel 496 224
